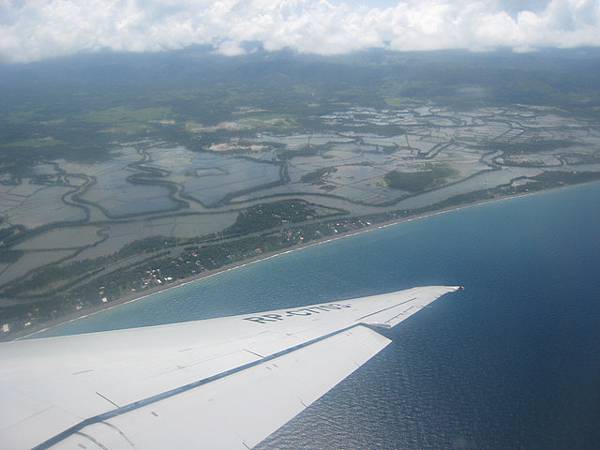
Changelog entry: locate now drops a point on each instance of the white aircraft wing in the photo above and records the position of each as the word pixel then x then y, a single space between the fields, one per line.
pixel 218 383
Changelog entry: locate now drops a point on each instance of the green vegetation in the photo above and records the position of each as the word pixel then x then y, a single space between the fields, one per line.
pixel 530 146
pixel 316 176
pixel 121 114
pixel 23 115
pixel 394 101
pixel 433 175
pixel 270 215
pixel 122 119
pixel 33 143
pixel 557 178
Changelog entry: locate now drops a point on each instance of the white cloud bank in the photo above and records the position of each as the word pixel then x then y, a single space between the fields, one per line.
pixel 36 29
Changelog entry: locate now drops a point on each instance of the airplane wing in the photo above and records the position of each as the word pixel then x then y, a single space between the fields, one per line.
pixel 219 383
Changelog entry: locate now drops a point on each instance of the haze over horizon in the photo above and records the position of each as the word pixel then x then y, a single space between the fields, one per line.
pixel 41 29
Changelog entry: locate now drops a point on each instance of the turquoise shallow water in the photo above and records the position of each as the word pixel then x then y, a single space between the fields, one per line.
pixel 511 362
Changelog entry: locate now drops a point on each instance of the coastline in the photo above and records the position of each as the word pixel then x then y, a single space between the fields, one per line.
pixel 134 297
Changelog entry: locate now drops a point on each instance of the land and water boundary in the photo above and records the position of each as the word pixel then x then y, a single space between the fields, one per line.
pixel 179 197
pixel 36 329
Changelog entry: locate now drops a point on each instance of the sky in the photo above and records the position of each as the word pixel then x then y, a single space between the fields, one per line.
pixel 32 30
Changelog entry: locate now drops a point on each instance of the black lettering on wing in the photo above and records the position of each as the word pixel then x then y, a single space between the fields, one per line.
pixel 258 319
pixel 298 313
pixel 274 316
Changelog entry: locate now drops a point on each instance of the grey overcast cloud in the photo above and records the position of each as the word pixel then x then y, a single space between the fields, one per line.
pixel 32 30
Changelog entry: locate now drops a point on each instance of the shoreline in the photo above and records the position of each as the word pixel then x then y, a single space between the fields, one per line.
pixel 134 297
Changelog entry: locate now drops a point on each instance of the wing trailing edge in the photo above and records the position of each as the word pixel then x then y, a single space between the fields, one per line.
pixel 223 383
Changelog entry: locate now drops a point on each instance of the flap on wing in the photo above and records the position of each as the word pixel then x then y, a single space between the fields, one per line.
pixel 396 311
pixel 239 410
pixel 55 385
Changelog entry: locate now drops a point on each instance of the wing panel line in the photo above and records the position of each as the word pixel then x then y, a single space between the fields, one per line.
pixel 163 395
pixel 386 309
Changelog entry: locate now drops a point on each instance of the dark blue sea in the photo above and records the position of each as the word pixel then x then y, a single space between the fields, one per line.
pixel 511 362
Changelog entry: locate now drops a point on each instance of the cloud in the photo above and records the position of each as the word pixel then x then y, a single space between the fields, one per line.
pixel 37 29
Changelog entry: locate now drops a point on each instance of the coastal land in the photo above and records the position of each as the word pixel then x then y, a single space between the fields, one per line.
pixel 113 190
pixel 42 327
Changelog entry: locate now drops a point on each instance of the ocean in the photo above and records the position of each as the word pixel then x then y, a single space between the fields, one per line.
pixel 513 361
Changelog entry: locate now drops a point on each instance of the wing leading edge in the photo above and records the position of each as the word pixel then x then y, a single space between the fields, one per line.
pixel 225 383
